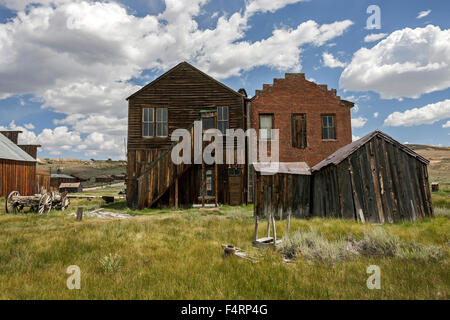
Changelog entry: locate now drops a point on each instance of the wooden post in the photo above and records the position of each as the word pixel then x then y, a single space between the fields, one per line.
pixel 79 213
pixel 274 231
pixel 203 183
pixel 256 227
pixel 176 193
pixel 217 182
pixel 269 217
pixel 288 224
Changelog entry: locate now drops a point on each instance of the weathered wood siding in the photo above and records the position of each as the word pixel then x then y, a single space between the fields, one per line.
pixel 42 180
pixel 17 176
pixel 282 194
pixel 384 182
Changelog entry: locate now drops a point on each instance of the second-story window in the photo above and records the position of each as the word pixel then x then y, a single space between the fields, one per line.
pixel 154 122
pixel 265 126
pixel 222 119
pixel 328 127
pixel 298 126
pixel 161 122
pixel 148 122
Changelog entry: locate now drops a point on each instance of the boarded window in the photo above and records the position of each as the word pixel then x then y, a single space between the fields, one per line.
pixel 328 127
pixel 222 119
pixel 298 125
pixel 148 123
pixel 265 126
pixel 161 122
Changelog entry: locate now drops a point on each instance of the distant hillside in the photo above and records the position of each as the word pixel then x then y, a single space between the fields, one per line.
pixel 85 168
pixel 439 169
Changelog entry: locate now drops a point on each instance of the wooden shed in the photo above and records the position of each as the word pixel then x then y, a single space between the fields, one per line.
pixel 17 169
pixel 282 188
pixel 374 179
pixel 73 187
pixel 104 179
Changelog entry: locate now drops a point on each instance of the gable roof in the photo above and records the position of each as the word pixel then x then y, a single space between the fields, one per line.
pixel 342 153
pixel 10 151
pixel 181 64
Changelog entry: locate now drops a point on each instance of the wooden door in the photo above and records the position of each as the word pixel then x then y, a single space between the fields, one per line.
pixel 235 189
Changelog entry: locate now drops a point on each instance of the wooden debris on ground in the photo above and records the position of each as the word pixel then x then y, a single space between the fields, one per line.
pixel 232 250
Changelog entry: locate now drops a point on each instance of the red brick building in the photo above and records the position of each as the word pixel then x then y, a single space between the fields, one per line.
pixel 313 122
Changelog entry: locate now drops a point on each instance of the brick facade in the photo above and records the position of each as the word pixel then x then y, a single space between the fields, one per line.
pixel 296 95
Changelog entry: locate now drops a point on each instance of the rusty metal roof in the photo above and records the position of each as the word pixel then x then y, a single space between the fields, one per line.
pixel 69 185
pixel 342 153
pixel 300 168
pixel 10 151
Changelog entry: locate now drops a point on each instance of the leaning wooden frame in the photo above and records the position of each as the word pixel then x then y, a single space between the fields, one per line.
pixel 40 203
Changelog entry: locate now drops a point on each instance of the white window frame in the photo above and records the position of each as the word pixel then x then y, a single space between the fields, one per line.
pixel 221 119
pixel 144 122
pixel 163 122
pixel 266 133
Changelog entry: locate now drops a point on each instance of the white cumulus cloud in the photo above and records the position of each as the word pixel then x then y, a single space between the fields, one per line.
pixel 446 125
pixel 330 61
pixel 428 114
pixel 408 63
pixel 374 37
pixel 423 14
pixel 359 122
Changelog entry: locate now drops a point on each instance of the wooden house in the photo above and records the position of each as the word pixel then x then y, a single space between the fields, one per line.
pixel 175 100
pixel 374 179
pixel 17 168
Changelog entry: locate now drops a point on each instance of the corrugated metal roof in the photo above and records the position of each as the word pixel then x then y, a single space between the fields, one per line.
pixel 63 176
pixel 10 151
pixel 300 168
pixel 342 153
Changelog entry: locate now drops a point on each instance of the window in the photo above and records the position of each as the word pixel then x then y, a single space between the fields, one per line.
pixel 222 119
pixel 265 126
pixel 161 122
pixel 328 127
pixel 208 123
pixel 298 125
pixel 148 123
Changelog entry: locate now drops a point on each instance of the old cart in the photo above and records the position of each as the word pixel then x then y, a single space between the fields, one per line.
pixel 40 203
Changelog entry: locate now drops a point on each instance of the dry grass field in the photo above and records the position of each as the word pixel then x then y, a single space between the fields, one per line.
pixel 177 254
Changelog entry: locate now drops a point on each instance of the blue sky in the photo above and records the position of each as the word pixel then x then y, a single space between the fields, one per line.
pixel 66 67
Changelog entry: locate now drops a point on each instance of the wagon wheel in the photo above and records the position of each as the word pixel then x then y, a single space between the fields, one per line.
pixel 45 204
pixel 11 206
pixel 65 203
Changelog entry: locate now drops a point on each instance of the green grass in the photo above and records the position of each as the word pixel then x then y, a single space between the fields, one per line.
pixel 177 254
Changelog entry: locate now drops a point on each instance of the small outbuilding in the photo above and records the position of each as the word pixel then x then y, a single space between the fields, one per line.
pixel 57 178
pixel 374 179
pixel 74 187
pixel 17 168
pixel 282 188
